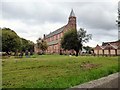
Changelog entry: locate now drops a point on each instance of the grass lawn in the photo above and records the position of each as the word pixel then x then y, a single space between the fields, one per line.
pixel 55 71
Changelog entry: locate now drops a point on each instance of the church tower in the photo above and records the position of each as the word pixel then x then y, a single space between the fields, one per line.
pixel 72 20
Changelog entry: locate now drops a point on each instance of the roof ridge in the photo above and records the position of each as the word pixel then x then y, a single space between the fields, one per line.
pixel 110 45
pixel 114 46
pixel 58 30
pixel 111 42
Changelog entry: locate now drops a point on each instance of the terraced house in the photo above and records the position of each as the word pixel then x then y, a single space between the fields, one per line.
pixel 53 39
pixel 108 48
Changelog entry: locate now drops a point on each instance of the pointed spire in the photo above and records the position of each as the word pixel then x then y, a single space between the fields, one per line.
pixel 72 14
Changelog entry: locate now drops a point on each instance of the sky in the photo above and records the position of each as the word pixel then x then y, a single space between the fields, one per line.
pixel 31 19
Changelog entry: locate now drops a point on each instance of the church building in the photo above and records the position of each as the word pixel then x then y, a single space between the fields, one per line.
pixel 53 39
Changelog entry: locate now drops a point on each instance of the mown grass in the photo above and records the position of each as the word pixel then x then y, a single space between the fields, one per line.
pixel 54 71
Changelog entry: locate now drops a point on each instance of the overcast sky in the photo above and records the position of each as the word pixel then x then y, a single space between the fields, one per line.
pixel 33 18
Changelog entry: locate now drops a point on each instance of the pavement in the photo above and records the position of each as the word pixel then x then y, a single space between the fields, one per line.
pixel 109 82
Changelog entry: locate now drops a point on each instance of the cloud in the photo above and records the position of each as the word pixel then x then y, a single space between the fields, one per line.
pixel 31 19
pixel 98 16
pixel 28 31
pixel 32 13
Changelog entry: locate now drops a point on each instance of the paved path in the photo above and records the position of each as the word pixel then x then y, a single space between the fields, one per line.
pixel 110 81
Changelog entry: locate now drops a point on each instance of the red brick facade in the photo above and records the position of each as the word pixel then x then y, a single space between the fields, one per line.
pixel 108 48
pixel 54 38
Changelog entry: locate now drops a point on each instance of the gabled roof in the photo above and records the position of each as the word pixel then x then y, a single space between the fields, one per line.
pixel 113 43
pixel 102 47
pixel 55 32
pixel 98 47
pixel 72 14
pixel 110 46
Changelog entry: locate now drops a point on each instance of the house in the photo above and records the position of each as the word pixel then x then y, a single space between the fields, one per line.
pixel 108 48
pixel 53 39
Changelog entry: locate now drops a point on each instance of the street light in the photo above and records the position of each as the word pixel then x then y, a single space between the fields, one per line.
pixel 118 21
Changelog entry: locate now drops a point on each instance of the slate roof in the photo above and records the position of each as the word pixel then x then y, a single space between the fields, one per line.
pixel 98 47
pixel 109 45
pixel 72 14
pixel 55 32
pixel 112 45
pixel 53 42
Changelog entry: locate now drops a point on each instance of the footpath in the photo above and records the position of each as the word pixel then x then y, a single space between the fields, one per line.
pixel 111 82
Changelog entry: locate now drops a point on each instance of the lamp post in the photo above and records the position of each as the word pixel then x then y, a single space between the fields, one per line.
pixel 118 21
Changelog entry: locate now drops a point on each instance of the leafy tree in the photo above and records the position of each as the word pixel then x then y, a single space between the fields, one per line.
pixel 88 49
pixel 10 40
pixel 74 40
pixel 69 40
pixel 26 45
pixel 30 45
pixel 42 44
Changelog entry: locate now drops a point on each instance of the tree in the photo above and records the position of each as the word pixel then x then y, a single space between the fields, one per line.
pixel 42 44
pixel 30 45
pixel 10 40
pixel 24 45
pixel 74 40
pixel 88 49
pixel 27 45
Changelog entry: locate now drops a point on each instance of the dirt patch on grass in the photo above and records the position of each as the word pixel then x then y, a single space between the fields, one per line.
pixel 87 65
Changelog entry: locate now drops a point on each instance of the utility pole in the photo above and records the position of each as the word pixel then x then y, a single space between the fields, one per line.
pixel 118 21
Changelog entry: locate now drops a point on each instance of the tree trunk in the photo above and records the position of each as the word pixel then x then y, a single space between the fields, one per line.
pixel 77 53
pixel 7 52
